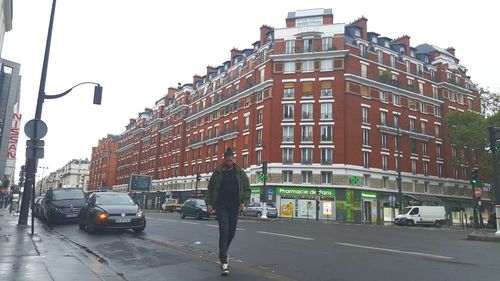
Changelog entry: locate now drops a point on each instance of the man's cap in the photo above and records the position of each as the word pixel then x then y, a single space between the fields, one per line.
pixel 228 152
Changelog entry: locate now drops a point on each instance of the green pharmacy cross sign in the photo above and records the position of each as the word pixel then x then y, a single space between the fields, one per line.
pixel 261 177
pixel 355 180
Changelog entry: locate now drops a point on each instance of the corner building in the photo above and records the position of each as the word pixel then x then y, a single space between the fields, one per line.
pixel 320 102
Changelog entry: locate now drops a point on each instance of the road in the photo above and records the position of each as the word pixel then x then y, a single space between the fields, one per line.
pixel 291 250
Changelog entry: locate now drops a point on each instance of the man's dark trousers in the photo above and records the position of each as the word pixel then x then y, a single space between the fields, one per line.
pixel 227 218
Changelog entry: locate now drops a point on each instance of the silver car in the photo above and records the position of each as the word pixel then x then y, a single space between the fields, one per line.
pixel 255 210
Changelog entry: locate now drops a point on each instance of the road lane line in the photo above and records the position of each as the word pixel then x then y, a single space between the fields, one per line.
pixel 186 222
pixel 285 235
pixel 395 251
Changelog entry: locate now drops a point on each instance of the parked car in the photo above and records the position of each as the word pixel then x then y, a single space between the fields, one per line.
pixel 62 205
pixel 111 210
pixel 255 210
pixel 195 208
pixel 422 215
pixel 37 206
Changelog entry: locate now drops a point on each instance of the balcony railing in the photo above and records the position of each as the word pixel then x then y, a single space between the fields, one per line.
pixel 310 49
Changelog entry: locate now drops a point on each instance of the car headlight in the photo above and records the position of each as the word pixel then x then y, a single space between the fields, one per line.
pixel 204 209
pixel 102 216
pixel 140 214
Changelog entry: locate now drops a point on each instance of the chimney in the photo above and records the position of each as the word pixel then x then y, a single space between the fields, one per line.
pixel 234 52
pixel 263 34
pixel 451 50
pixel 196 78
pixel 213 69
pixel 405 40
pixel 362 22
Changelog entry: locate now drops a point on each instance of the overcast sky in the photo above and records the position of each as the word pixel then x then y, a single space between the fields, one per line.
pixel 137 49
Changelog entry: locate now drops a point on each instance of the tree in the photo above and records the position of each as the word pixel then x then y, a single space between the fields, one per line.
pixel 490 102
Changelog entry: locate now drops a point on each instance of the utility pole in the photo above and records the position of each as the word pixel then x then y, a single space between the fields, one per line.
pixel 494 137
pixel 398 140
pixel 198 176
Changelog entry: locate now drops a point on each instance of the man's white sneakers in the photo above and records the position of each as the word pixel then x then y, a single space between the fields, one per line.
pixel 225 270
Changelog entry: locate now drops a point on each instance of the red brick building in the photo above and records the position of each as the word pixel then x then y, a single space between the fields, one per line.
pixel 319 101
pixel 103 165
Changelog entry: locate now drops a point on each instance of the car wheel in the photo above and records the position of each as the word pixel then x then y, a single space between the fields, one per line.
pixel 259 214
pixel 182 214
pixel 437 224
pixel 410 223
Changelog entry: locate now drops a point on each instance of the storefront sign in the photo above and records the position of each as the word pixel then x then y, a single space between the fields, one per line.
pixel 367 194
pixel 300 191
pixel 14 136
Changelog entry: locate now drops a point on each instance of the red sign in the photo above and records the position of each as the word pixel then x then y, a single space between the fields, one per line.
pixel 14 136
pixel 477 192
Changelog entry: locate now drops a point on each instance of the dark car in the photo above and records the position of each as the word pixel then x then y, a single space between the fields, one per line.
pixel 195 208
pixel 37 207
pixel 62 205
pixel 111 210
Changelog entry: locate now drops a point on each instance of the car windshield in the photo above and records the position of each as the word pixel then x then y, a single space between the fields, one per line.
pixel 200 202
pixel 114 199
pixel 65 194
pixel 406 210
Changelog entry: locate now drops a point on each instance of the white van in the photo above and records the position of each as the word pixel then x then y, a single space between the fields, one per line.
pixel 425 215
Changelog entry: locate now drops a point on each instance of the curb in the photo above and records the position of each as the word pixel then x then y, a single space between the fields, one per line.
pixel 489 237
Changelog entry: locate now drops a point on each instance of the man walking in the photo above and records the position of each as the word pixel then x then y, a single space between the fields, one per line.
pixel 228 190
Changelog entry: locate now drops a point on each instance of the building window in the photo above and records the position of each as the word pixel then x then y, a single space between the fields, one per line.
pixel 382 96
pixel 364 70
pixel 362 48
pixel 413 144
pixel 408 66
pixel 259 157
pixel 259 117
pixel 414 166
pixel 307 66
pixel 288 133
pixel 365 137
pixel 326 133
pixel 289 90
pixel 384 162
pixel 423 126
pixel 307 132
pixel 306 156
pixel 287 155
pixel 308 45
pixel 326 177
pixel 366 159
pixel 393 61
pixel 307 88
pixel 380 56
pixel 247 122
pixel 366 180
pixel 326 89
pixel 423 107
pixel 412 124
pixel 326 65
pixel 385 182
pixel 426 168
pixel 425 151
pixel 364 115
pixel 287 176
pixel 438 150
pixel 383 118
pixel 396 99
pixel 440 170
pixel 288 111
pixel 289 67
pixel 307 111
pixel 306 176
pixel 384 140
pixel 326 156
pixel 437 111
pixel 326 44
pixel 326 110
pixel 259 137
pixel 289 47
pixel 245 161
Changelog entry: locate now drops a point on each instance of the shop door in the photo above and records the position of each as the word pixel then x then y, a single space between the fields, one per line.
pixel 367 211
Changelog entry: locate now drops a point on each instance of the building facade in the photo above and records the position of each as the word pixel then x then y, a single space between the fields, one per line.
pixel 103 164
pixel 74 174
pixel 322 103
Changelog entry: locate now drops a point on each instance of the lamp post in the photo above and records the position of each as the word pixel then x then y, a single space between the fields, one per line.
pixel 38 129
pixel 41 183
pixel 398 168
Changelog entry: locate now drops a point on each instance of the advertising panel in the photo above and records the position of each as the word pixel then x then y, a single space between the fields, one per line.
pixel 139 183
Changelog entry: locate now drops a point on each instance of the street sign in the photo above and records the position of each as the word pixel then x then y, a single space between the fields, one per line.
pixel 392 200
pixel 477 192
pixel 41 129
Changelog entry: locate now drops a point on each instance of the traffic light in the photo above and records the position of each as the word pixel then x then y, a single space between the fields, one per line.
pixel 198 177
pixel 264 168
pixel 475 178
pixel 494 136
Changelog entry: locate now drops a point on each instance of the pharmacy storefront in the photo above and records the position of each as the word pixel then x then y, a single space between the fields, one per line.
pixel 301 202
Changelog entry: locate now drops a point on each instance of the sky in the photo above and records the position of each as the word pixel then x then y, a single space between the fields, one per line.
pixel 137 49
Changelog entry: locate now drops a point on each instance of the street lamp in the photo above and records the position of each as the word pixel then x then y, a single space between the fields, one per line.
pixel 398 168
pixel 37 130
pixel 41 183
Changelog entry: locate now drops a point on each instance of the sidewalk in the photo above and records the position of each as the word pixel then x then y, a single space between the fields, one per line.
pixel 45 256
pixel 483 235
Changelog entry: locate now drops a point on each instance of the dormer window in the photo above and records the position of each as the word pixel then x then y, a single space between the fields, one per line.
pixel 412 53
pixel 426 59
pixel 386 44
pixel 402 50
pixel 357 32
pixel 374 39
pixel 362 50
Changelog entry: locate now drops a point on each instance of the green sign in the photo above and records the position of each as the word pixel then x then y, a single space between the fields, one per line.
pixel 261 177
pixel 368 194
pixel 256 190
pixel 355 180
pixel 302 191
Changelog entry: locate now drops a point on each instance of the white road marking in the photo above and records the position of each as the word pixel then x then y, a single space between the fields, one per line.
pixel 285 235
pixel 186 222
pixel 395 251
